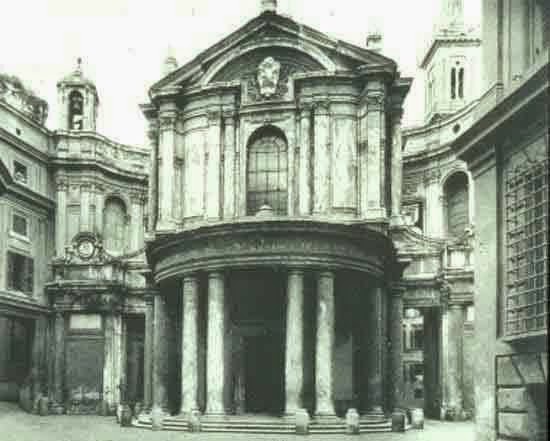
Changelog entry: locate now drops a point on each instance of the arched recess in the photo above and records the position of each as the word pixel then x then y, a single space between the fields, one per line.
pixel 267 171
pixel 456 203
pixel 76 110
pixel 115 225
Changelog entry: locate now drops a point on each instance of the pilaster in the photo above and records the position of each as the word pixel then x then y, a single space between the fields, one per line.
pixel 167 172
pixel 148 354
pixel 61 216
pixel 375 132
pixel 396 167
pixel 229 169
pixel 85 193
pixel 304 187
pixel 322 159
pixel 153 137
pixel 213 166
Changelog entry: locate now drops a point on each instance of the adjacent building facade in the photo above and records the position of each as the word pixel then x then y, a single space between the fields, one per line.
pixel 506 149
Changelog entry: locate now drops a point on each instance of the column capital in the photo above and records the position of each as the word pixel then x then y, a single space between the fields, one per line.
pixel 376 100
pixel 167 121
pixel 216 275
pixel 397 289
pixel 321 107
pixel 229 116
pixel 213 117
pixel 296 271
pixel 325 274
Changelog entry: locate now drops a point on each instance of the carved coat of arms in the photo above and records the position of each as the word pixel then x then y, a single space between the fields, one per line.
pixel 268 76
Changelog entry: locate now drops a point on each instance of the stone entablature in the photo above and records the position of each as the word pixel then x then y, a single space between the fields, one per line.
pixel 90 146
pixel 270 242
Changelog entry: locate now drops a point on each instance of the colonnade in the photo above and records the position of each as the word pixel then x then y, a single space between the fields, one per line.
pixel 156 350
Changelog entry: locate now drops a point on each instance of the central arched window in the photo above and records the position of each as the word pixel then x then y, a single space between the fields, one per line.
pixel 267 171
pixel 114 226
pixel 456 198
pixel 76 111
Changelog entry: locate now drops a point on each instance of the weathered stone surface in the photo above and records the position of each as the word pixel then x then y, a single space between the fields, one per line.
pixel 512 399
pixel 189 366
pixel 215 345
pixel 294 341
pixel 157 418
pixel 302 422
pixel 513 424
pixel 507 374
pixel 193 421
pixel 352 421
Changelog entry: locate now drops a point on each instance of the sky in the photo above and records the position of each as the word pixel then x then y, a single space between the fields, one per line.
pixel 123 43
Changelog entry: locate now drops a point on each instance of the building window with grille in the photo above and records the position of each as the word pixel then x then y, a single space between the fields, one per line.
pixel 267 172
pixel 114 226
pixel 456 204
pixel 19 225
pixel 20 273
pixel 526 205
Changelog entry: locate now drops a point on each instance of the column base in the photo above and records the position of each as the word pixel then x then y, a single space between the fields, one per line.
pixel 158 414
pixel 57 409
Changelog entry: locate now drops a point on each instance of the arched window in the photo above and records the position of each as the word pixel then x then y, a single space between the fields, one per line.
pixel 461 83
pixel 456 198
pixel 267 171
pixel 114 226
pixel 76 110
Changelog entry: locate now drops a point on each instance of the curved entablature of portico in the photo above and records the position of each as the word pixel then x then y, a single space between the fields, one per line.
pixel 268 243
pixel 307 49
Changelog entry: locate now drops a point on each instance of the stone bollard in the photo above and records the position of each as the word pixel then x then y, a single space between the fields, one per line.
pixel 44 406
pixel 157 417
pixel 125 417
pixel 417 418
pixel 194 421
pixel 398 421
pixel 302 422
pixel 352 422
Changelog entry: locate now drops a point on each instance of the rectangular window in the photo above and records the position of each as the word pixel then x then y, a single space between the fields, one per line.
pixel 526 205
pixel 20 173
pixel 19 225
pixel 20 273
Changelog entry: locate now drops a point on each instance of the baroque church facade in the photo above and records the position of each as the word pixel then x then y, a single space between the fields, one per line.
pixel 282 247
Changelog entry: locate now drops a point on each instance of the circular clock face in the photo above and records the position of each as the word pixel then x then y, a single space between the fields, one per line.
pixel 86 249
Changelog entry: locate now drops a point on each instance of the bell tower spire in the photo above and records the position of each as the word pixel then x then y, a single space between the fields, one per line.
pixel 452 15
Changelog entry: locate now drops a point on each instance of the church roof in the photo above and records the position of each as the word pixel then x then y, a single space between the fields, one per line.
pixel 272 29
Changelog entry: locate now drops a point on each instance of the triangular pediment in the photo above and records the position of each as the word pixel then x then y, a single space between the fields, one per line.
pixel 299 48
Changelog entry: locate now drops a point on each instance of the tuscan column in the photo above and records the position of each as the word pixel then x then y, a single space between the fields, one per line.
pixel 321 167
pixel 148 354
pixel 108 360
pixel 229 166
pixel 215 369
pixel 376 338
pixel 167 174
pixel 152 135
pixel 452 330
pixel 304 187
pixel 160 362
pixel 213 167
pixel 396 168
pixel 294 341
pixel 61 217
pixel 38 357
pixel 375 105
pixel 396 348
pixel 59 363
pixel 85 207
pixel 325 343
pixel 189 347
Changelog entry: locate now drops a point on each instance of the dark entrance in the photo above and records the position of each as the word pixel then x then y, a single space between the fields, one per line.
pixel 257 315
pixel 263 374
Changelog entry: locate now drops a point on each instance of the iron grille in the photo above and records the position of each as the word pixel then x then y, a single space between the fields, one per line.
pixel 526 303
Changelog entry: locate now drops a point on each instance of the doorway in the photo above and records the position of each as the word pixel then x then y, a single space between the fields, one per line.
pixel 263 367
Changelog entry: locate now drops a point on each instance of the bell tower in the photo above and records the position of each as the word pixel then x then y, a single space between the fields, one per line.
pixel 78 101
pixel 451 63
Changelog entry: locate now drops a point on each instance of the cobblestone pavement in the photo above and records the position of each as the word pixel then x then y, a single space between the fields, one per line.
pixel 15 425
